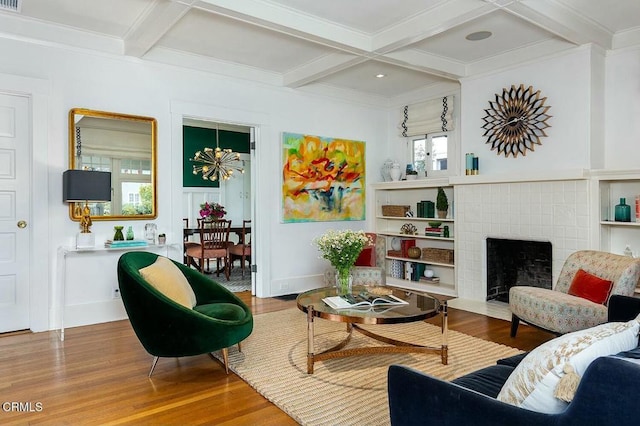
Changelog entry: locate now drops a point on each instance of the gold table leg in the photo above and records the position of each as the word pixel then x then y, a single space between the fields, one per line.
pixel 444 312
pixel 310 349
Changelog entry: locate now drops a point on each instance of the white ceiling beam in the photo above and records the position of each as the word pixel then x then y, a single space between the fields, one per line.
pixel 287 21
pixel 518 57
pixel 437 20
pixel 626 38
pixel 320 68
pixel 17 27
pixel 157 20
pixel 422 61
pixel 562 21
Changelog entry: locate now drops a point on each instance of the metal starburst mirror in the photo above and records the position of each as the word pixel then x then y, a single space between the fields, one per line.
pixel 516 120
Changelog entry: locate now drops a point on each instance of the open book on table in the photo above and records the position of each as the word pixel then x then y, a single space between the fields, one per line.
pixel 351 301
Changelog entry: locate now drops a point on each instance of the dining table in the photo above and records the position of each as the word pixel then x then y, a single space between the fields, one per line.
pixel 188 232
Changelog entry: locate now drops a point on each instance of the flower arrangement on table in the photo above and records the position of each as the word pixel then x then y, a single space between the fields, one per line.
pixel 212 211
pixel 341 249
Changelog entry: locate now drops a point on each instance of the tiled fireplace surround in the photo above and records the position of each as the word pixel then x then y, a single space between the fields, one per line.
pixel 555 211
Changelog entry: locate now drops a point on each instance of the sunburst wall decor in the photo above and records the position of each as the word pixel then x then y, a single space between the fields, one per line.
pixel 516 120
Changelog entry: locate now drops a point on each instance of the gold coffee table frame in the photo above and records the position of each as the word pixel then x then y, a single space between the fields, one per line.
pixel 420 307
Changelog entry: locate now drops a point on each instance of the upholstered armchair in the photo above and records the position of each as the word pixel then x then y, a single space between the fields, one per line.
pixel 579 298
pixel 176 311
pixel 369 269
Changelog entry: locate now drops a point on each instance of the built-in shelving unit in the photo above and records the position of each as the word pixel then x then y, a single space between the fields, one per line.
pixel 409 193
pixel 611 186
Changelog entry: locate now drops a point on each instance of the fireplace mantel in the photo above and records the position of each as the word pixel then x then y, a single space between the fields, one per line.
pixel 552 175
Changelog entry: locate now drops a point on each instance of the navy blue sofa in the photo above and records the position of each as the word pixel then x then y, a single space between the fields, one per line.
pixel 607 394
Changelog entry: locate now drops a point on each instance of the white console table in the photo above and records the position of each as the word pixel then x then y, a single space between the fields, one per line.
pixel 65 251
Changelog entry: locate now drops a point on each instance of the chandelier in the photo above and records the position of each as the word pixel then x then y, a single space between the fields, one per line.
pixel 216 163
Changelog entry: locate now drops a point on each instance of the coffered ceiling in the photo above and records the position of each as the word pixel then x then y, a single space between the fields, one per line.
pixel 333 45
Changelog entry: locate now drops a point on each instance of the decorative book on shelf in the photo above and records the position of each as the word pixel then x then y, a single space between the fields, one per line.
pixel 405 244
pixel 433 232
pixel 425 209
pixel 125 243
pixel 361 300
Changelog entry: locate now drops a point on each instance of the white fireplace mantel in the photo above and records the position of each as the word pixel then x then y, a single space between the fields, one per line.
pixel 541 176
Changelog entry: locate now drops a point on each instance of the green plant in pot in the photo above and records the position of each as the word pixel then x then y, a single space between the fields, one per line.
pixel 442 203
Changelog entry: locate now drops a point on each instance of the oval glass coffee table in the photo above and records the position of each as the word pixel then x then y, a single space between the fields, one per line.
pixel 419 308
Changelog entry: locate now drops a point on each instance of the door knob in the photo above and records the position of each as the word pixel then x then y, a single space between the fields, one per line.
pixel 22 224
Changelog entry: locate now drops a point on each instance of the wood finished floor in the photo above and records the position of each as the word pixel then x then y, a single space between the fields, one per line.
pixel 98 375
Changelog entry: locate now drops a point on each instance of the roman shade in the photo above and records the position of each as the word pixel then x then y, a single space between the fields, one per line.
pixel 427 117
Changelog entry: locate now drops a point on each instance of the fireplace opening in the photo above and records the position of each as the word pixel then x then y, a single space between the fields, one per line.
pixel 516 262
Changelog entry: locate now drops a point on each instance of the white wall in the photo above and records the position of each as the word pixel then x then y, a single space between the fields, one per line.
pixel 83 79
pixel 622 106
pixel 566 82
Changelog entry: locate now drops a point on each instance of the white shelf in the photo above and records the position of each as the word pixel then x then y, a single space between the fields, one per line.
pixel 419 237
pixel 419 219
pixel 426 262
pixel 412 184
pixel 444 289
pixel 614 223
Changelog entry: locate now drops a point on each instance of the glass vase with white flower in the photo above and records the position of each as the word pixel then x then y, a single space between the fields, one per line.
pixel 341 249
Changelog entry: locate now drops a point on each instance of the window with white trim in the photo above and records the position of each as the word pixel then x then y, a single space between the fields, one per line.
pixel 430 154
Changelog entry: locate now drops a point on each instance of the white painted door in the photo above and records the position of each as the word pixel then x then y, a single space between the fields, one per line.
pixel 237 194
pixel 14 212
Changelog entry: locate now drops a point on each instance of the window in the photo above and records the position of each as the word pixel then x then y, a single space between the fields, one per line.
pixel 430 154
pixel 131 184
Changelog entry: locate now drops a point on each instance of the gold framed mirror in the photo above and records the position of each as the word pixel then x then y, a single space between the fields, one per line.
pixel 124 145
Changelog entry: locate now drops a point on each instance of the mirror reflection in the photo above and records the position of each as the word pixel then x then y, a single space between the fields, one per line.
pixel 124 145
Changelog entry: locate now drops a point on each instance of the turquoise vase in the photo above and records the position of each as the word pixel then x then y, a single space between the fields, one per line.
pixel 623 211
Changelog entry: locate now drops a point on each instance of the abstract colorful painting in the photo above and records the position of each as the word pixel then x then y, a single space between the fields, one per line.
pixel 323 178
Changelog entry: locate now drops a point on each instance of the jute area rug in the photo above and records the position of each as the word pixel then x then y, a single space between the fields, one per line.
pixel 345 391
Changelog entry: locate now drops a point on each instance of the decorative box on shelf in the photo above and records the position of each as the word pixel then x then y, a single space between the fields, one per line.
pixel 437 255
pixel 395 211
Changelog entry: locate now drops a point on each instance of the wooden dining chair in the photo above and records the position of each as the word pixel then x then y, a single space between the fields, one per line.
pixel 186 243
pixel 214 243
pixel 243 248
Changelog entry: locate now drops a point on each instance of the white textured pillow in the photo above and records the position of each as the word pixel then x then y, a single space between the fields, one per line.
pixel 167 278
pixel 534 380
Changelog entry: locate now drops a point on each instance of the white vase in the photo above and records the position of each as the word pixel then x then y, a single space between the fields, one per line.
pixel 386 169
pixel 395 172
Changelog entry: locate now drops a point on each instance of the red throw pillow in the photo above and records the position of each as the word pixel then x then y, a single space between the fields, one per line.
pixel 367 257
pixel 590 287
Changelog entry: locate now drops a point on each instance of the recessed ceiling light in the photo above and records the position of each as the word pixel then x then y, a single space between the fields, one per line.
pixel 478 35
pixel 380 75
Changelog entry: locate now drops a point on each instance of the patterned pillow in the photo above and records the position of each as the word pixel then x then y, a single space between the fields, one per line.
pixel 533 382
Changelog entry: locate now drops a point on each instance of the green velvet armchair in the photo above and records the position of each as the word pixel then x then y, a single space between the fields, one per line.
pixel 165 328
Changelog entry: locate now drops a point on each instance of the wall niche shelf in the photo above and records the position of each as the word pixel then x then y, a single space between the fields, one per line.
pixel 611 185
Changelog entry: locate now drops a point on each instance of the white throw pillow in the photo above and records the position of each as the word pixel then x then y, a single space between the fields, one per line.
pixel 167 278
pixel 533 382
